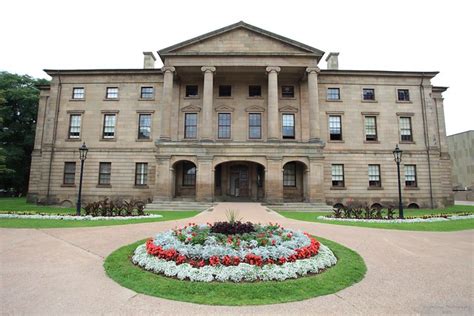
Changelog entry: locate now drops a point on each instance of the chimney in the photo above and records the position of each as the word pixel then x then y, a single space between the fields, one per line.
pixel 333 61
pixel 148 60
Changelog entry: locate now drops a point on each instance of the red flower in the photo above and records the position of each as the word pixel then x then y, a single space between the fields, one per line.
pixel 227 261
pixel 214 261
pixel 282 260
pixel 253 259
pixel 180 259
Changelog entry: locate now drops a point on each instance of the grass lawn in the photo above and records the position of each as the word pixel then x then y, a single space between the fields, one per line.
pixel 20 205
pixel 349 269
pixel 434 226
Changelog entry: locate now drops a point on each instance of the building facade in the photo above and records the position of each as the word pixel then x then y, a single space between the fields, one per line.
pixel 241 113
pixel 461 151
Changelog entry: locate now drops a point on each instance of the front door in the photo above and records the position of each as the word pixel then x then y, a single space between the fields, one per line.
pixel 239 181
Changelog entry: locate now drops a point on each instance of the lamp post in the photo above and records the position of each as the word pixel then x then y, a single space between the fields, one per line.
pixel 82 155
pixel 397 154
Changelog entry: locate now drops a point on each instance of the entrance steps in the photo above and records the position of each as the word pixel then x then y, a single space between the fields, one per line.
pixel 178 205
pixel 300 207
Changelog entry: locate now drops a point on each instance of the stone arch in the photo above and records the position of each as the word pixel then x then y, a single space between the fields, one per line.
pixel 67 203
pixel 338 206
pixel 256 159
pixel 295 180
pixel 175 159
pixel 184 178
pixel 376 206
pixel 413 206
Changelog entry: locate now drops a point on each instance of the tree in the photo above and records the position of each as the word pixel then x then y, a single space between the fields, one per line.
pixel 18 109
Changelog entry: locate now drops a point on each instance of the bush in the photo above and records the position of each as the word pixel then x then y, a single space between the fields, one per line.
pixel 110 208
pixel 234 228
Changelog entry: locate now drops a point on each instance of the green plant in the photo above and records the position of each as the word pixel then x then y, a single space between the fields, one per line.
pixel 390 212
pixel 369 212
pixel 347 211
pixel 357 211
pixel 337 212
pixel 231 216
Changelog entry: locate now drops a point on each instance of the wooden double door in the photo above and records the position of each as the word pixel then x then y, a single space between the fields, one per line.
pixel 239 181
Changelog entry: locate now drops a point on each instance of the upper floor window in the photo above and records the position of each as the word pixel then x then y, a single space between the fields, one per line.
pixel 255 91
pixel 403 95
pixel 255 125
pixel 405 129
pixel 144 126
pixel 368 94
pixel 190 125
pixel 75 126
pixel 147 93
pixel 78 93
pixel 191 91
pixel 69 173
pixel 370 128
pixel 374 176
pixel 225 91
pixel 189 174
pixel 289 175
pixel 109 126
pixel 335 127
pixel 288 128
pixel 337 175
pixel 112 93
pixel 333 94
pixel 224 125
pixel 105 170
pixel 287 91
pixel 141 173
pixel 410 176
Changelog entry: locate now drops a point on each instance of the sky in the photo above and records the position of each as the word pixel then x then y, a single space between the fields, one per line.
pixel 414 35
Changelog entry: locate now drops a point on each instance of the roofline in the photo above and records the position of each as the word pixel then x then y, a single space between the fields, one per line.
pixel 53 72
pixel 389 73
pixel 166 51
pixel 43 86
pixel 468 131
pixel 440 89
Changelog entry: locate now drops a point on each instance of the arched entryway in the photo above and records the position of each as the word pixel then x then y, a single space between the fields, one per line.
pixel 239 181
pixel 294 181
pixel 184 179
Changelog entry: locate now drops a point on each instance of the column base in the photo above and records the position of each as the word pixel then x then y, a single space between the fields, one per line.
pixel 316 141
pixel 164 139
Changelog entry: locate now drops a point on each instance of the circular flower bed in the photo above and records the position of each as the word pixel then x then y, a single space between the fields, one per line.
pixel 235 252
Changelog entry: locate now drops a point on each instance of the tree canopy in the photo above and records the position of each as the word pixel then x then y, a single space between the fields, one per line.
pixel 19 99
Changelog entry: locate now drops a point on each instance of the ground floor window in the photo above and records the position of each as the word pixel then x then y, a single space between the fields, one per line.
pixel 289 175
pixel 189 174
pixel 141 173
pixel 410 176
pixel 105 170
pixel 374 176
pixel 337 175
pixel 69 173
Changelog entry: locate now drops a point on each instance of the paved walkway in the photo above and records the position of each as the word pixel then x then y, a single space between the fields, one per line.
pixel 59 271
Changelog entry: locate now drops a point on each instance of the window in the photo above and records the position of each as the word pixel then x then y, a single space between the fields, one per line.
pixel 288 122
pixel 370 128
pixel 333 94
pixel 112 93
pixel 105 169
pixel 75 126
pixel 335 128
pixel 410 176
pixel 255 126
pixel 78 93
pixel 144 126
pixel 255 91
pixel 289 175
pixel 405 129
pixel 287 91
pixel 191 91
pixel 69 173
pixel 374 176
pixel 337 175
pixel 190 125
pixel 403 95
pixel 189 174
pixel 147 93
pixel 368 94
pixel 224 123
pixel 141 173
pixel 225 91
pixel 109 126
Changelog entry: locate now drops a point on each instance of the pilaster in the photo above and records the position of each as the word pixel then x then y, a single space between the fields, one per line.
pixel 273 116
pixel 207 101
pixel 165 113
pixel 313 101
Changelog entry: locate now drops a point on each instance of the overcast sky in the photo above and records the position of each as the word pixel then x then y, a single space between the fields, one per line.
pixel 379 35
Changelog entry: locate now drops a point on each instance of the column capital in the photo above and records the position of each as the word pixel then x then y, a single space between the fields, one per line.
pixel 313 70
pixel 168 69
pixel 208 69
pixel 273 69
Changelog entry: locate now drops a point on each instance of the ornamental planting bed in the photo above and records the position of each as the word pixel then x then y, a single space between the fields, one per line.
pixel 233 251
pixel 421 219
pixel 76 218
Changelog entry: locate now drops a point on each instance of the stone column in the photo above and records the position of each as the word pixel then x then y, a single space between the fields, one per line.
pixel 315 180
pixel 274 180
pixel 164 179
pixel 313 98
pixel 207 98
pixel 273 122
pixel 165 113
pixel 204 180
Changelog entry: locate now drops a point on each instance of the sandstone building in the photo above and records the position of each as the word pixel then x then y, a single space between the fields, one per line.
pixel 241 113
pixel 461 151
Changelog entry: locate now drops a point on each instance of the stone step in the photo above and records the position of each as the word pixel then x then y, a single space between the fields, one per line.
pixel 301 207
pixel 178 206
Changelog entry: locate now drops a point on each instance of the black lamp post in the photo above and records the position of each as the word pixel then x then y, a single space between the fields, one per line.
pixel 82 155
pixel 397 154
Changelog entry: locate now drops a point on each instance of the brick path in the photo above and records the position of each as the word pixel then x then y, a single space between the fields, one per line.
pixel 59 271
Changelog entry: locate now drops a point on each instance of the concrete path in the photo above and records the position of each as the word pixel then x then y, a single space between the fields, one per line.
pixel 59 271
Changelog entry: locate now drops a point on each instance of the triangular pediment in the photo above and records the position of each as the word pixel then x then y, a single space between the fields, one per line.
pixel 240 39
pixel 224 108
pixel 255 108
pixel 191 108
pixel 289 109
